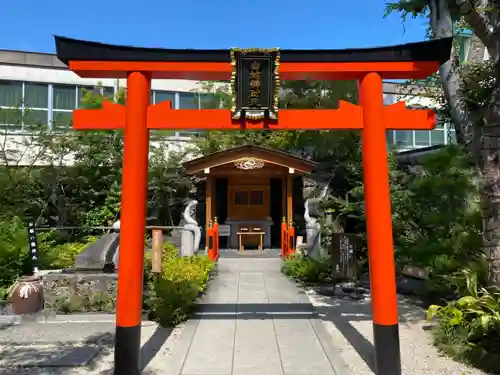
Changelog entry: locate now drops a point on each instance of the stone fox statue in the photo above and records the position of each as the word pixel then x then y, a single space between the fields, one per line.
pixel 312 217
pixel 190 224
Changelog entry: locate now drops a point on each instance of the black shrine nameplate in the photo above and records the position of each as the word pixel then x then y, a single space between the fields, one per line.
pixel 255 83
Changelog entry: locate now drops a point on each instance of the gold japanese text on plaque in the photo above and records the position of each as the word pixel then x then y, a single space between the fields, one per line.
pixel 255 83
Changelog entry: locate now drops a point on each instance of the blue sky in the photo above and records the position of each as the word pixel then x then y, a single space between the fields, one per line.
pixel 29 25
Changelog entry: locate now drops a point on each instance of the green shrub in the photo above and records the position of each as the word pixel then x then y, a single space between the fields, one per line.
pixel 14 259
pixel 305 270
pixel 437 221
pixel 3 294
pixel 63 255
pixel 173 296
pixel 469 328
pixel 13 250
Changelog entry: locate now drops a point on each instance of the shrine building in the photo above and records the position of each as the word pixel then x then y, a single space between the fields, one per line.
pixel 250 190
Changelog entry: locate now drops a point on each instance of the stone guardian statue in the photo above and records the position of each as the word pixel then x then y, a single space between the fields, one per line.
pixel 191 233
pixel 312 217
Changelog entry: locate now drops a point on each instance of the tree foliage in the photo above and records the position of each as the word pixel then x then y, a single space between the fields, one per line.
pixel 74 180
pixel 472 97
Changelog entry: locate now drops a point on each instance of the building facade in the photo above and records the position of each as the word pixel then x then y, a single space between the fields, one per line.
pixel 46 92
pixel 37 90
pixel 470 50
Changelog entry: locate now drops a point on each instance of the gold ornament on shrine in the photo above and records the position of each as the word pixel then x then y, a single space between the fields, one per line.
pixel 248 164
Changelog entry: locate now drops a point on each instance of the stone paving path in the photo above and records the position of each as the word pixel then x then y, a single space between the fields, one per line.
pixel 254 321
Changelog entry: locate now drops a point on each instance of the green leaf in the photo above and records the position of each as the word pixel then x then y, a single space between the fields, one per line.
pixel 466 301
pixel 432 311
pixel 457 317
pixel 485 321
pixel 471 282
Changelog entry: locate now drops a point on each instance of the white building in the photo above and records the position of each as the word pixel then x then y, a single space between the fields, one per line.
pixel 44 92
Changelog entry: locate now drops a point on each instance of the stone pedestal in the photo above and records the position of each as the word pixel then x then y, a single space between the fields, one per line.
pixel 187 244
pixel 79 292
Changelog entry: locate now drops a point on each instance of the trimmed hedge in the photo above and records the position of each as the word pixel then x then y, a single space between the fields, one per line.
pixel 305 270
pixel 172 296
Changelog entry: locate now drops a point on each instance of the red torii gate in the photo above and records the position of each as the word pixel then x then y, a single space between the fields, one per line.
pixel 369 66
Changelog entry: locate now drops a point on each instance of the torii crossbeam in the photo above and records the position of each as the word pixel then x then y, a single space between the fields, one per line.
pixel 368 66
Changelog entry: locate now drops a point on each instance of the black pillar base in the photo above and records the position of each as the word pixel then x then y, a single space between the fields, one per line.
pixel 387 350
pixel 128 350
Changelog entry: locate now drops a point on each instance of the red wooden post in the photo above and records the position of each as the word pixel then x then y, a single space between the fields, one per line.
pixel 291 239
pixel 216 238
pixel 210 242
pixel 284 237
pixel 133 215
pixel 379 228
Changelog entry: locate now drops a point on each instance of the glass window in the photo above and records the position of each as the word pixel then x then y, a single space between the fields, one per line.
pixel 11 117
pixel 209 101
pixel 437 137
pixel 62 119
pixel 404 137
pixel 108 92
pixel 64 97
pixel 422 138
pixel 188 100
pixel 390 137
pixel 36 95
pixel 439 124
pixel 11 93
pixel 163 96
pixel 35 117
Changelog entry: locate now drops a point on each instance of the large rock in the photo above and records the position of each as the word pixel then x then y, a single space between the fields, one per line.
pixel 102 255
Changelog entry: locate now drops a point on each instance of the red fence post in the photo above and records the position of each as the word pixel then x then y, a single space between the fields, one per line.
pixel 291 239
pixel 284 246
pixel 216 238
pixel 211 242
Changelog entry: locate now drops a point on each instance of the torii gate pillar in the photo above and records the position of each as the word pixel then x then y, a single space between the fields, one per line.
pixel 379 228
pixel 132 225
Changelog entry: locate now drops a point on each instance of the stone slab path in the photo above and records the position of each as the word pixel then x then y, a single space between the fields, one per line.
pixel 254 321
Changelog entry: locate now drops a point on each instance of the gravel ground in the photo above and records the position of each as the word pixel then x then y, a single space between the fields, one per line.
pixel 349 323
pixel 156 347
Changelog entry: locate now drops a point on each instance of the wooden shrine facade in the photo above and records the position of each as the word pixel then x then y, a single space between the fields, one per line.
pixel 250 189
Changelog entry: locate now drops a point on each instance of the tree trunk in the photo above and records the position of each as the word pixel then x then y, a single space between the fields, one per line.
pixel 482 138
pixel 490 182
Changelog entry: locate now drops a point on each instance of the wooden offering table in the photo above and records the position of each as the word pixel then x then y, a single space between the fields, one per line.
pixel 253 232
